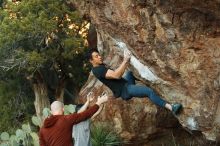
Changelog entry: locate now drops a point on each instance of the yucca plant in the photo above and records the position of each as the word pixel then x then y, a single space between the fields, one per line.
pixel 102 136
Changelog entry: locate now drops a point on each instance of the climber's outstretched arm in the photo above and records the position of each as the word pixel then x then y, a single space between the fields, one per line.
pixel 117 74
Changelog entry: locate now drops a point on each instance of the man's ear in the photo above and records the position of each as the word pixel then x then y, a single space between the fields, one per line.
pixel 90 60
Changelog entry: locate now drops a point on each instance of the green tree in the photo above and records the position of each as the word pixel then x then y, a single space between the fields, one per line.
pixel 16 102
pixel 45 41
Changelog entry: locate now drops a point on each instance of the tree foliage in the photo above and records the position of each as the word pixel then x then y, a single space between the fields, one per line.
pixel 34 32
pixel 16 103
pixel 45 37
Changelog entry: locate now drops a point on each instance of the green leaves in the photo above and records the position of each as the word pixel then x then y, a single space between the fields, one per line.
pixel 68 109
pixel 24 136
pixel 35 138
pixel 34 60
pixel 4 136
pixel 16 106
pixel 46 112
pixel 26 128
pixel 36 121
pixel 35 32
pixel 26 26
pixel 20 134
pixel 103 136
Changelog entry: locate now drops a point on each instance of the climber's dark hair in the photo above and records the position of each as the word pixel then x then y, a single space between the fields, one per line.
pixel 78 107
pixel 89 53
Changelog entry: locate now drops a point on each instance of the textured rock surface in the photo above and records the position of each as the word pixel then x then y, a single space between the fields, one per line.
pixel 176 51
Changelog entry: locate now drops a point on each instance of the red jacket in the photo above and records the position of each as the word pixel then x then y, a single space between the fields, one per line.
pixel 57 130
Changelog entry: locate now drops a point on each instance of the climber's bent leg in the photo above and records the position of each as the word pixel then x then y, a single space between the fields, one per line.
pixel 143 91
pixel 129 77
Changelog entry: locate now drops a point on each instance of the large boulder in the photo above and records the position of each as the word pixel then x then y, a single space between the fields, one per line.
pixel 176 51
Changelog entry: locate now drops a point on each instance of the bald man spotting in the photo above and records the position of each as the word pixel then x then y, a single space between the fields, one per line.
pixel 57 108
pixel 57 129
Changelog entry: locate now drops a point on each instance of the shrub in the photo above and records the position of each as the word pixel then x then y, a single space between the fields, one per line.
pixel 103 136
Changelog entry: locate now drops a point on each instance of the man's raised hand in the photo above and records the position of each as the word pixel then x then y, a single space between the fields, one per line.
pixel 90 96
pixel 127 55
pixel 102 99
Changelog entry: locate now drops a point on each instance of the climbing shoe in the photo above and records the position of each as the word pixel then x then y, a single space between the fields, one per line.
pixel 176 107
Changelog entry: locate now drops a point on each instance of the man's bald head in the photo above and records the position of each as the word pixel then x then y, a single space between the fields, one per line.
pixel 57 108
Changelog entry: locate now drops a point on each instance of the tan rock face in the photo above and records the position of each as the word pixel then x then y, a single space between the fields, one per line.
pixel 176 51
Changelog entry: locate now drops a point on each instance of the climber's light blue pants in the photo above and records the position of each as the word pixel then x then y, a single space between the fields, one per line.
pixel 132 90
